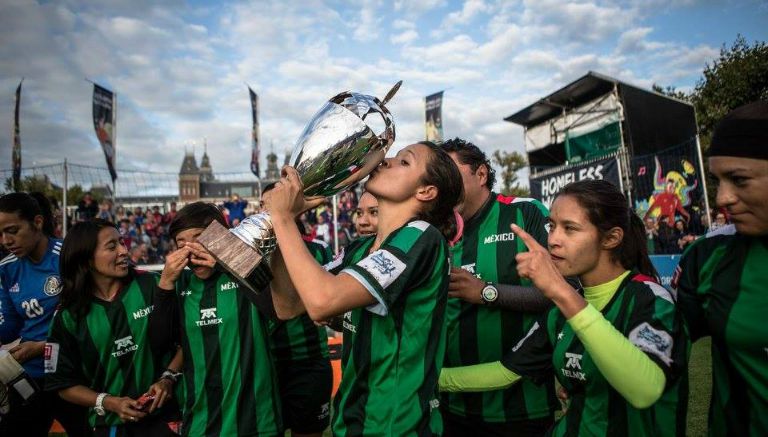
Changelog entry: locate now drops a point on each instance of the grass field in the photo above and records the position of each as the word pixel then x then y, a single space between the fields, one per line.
pixel 700 380
pixel 700 373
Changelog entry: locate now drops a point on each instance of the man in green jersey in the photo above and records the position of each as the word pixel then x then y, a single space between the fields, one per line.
pixel 721 279
pixel 229 375
pixel 484 265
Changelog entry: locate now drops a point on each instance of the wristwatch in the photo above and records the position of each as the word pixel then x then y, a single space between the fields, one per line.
pixel 99 407
pixel 489 294
pixel 171 375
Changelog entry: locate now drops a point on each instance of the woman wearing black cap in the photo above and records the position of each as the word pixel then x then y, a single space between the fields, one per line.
pixel 721 280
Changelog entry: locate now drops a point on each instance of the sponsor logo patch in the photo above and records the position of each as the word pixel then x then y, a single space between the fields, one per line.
pixel 124 346
pixel 573 367
pixel 208 317
pixel 653 341
pixel 347 323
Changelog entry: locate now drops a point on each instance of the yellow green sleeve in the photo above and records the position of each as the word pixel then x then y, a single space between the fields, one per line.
pixel 628 369
pixel 479 377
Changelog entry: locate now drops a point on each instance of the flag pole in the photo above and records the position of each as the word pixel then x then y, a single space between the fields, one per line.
pixel 64 201
pixel 114 147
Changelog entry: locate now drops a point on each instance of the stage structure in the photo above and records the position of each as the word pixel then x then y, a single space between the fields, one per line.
pixel 598 127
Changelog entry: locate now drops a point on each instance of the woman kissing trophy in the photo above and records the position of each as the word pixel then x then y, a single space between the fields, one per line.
pixel 342 144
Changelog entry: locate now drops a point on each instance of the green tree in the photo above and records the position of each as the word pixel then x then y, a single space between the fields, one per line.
pixel 672 92
pixel 510 163
pixel 44 185
pixel 737 77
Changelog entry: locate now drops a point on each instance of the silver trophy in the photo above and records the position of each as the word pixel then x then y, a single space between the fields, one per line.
pixel 343 143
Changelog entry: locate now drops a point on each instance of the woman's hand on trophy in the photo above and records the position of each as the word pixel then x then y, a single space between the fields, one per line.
pixel 287 198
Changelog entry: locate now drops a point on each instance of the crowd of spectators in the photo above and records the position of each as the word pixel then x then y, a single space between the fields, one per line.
pixel 663 239
pixel 144 229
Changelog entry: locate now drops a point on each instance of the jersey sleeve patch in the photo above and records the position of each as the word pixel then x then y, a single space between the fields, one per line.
pixel 384 268
pixel 653 341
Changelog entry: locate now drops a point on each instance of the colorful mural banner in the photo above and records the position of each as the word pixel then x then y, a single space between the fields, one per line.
pixel 667 186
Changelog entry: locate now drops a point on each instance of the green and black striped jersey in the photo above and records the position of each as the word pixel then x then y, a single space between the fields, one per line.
pixel 722 285
pixel 393 350
pixel 229 376
pixel 645 313
pixel 107 350
pixel 299 338
pixel 479 334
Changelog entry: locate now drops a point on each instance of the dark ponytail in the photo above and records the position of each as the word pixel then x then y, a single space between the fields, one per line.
pixel 442 173
pixel 28 206
pixel 607 208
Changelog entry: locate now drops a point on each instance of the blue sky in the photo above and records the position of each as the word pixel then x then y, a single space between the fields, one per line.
pixel 180 68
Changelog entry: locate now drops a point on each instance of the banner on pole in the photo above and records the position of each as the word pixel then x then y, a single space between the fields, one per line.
pixel 254 132
pixel 104 123
pixel 16 153
pixel 434 117
pixel 546 186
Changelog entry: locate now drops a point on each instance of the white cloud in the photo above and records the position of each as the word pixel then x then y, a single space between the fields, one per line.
pixel 405 37
pixel 417 7
pixel 180 71
pixel 367 27
pixel 469 10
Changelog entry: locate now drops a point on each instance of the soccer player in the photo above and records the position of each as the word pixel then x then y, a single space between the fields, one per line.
pixel 721 279
pixel 479 331
pixel 366 215
pixel 302 360
pixel 29 293
pixel 393 287
pixel 618 346
pixel 229 376
pixel 98 354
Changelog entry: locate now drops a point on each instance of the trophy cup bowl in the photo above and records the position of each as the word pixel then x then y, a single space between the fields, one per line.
pixel 342 144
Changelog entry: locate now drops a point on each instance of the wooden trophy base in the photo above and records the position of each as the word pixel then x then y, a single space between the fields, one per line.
pixel 238 258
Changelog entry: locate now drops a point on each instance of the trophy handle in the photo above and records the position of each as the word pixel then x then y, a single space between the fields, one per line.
pixel 391 93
